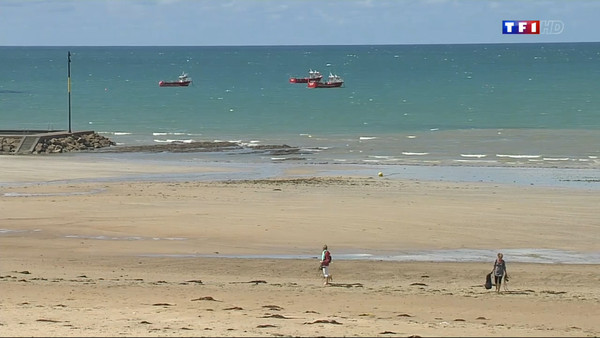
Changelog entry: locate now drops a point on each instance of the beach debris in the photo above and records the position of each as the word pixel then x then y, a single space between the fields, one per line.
pixel 278 316
pixel 419 284
pixel 262 326
pixel 24 272
pixel 160 282
pixel 481 318
pixel 233 308
pixel 197 281
pixel 404 315
pixel 145 322
pixel 206 298
pixel 48 320
pixel 387 332
pixel 310 311
pixel 459 320
pixel 347 285
pixel 550 292
pixel 255 282
pixel 324 321
pixel 273 307
pixel 162 304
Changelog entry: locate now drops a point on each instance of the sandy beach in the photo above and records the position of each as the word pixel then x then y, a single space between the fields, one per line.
pixel 128 257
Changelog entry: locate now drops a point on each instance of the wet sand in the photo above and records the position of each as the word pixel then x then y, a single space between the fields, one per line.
pixel 86 258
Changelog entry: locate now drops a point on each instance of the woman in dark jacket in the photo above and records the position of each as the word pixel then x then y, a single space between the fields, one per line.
pixel 499 271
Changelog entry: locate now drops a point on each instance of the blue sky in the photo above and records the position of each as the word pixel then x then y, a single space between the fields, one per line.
pixel 286 22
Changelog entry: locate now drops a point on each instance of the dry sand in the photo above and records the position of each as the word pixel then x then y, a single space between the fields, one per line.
pixel 128 258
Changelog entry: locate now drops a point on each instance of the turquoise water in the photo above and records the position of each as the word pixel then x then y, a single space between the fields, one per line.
pixel 501 105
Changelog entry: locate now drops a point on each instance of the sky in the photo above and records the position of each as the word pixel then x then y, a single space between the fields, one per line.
pixel 289 22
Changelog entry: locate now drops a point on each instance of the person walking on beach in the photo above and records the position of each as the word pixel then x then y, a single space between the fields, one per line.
pixel 325 260
pixel 499 271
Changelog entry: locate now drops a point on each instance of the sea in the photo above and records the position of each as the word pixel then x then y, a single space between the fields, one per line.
pixel 525 105
pixel 526 114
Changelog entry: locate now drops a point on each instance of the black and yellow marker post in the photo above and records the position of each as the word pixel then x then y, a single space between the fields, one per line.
pixel 69 86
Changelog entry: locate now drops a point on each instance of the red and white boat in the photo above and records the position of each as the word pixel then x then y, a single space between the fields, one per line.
pixel 313 75
pixel 334 81
pixel 183 81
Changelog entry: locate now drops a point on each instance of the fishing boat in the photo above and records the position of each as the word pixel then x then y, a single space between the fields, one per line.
pixel 334 81
pixel 313 75
pixel 182 81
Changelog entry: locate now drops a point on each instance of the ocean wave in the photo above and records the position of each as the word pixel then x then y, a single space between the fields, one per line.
pixel 519 156
pixel 407 153
pixel 476 161
pixel 473 155
pixel 364 138
pixel 116 133
pixel 167 133
pixel 173 141
pixel 556 159
pixel 381 156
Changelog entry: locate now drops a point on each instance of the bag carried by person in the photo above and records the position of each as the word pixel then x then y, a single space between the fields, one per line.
pixel 488 281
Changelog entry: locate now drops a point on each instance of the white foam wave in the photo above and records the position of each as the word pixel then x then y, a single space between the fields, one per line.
pixel 473 155
pixel 166 133
pixel 519 156
pixel 120 133
pixel 476 161
pixel 173 141
pixel 367 138
pixel 413 154
pixel 556 159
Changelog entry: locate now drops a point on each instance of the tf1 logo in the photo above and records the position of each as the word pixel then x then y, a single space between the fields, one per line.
pixel 532 26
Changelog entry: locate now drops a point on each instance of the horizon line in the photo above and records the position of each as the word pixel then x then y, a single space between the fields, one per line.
pixel 317 45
